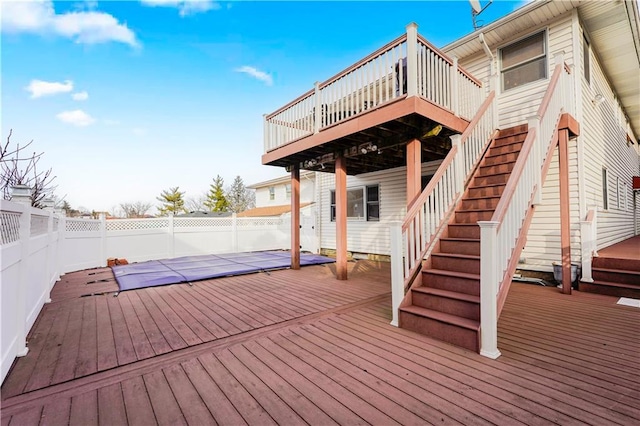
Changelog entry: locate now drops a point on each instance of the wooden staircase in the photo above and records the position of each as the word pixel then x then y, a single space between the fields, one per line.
pixel 446 305
pixel 614 276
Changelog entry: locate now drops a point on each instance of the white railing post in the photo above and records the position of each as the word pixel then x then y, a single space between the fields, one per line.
pixel 318 109
pixel 495 86
pixel 489 279
pixel 103 240
pixel 171 235
pixel 538 152
pixel 397 275
pixel 594 231
pixel 412 59
pixel 234 233
pixel 454 87
pixel 458 163
pixel 587 250
pixel 23 281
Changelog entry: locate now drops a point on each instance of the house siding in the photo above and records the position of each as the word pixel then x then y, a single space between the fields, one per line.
pixel 363 236
pixel 307 193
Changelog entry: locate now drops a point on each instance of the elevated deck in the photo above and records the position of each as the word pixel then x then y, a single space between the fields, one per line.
pixel 300 347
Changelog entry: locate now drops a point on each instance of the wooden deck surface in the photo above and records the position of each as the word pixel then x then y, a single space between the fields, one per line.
pixel 627 249
pixel 299 347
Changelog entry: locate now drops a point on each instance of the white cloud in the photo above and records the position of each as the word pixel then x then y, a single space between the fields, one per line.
pixel 80 96
pixel 39 88
pixel 139 131
pixel 185 7
pixel 256 73
pixel 40 17
pixel 76 117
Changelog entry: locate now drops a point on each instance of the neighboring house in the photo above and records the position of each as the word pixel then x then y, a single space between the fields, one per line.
pixel 273 197
pixel 512 147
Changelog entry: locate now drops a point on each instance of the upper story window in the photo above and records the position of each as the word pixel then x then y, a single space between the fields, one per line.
pixel 272 193
pixel 524 61
pixel 287 188
pixel 363 202
pixel 586 59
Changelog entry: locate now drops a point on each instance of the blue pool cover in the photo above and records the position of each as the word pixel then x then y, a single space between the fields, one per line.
pixel 194 268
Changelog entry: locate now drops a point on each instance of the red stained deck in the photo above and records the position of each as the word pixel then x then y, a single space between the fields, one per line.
pixel 297 347
pixel 627 249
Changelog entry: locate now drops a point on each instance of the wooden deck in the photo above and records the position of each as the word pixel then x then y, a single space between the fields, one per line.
pixel 627 249
pixel 299 347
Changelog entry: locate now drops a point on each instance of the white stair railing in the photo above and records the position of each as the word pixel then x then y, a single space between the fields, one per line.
pixel 498 236
pixel 413 239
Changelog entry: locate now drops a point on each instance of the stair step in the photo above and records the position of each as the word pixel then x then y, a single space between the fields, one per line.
pixel 519 129
pixel 460 282
pixel 449 328
pixel 448 302
pixel 620 276
pixel 473 216
pixel 460 246
pixel 491 170
pixel 480 203
pixel 456 262
pixel 508 140
pixel 505 149
pixel 616 263
pixel 498 178
pixel 490 160
pixel 610 289
pixel 478 191
pixel 464 230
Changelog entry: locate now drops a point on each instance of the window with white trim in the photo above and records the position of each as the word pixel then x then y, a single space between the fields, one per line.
pixel 524 61
pixel 287 188
pixel 272 193
pixel 363 203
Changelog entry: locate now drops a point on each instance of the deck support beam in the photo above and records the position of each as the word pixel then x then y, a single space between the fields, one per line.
pixel 414 165
pixel 341 217
pixel 565 209
pixel 295 216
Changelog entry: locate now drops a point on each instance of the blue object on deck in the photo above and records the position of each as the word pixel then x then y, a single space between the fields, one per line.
pixel 194 268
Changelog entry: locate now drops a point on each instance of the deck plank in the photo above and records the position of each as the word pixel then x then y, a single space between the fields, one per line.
pixel 151 329
pixel 27 418
pixel 170 334
pixel 193 407
pixel 183 330
pixel 84 409
pixel 137 404
pixel 125 351
pixel 107 354
pixel 87 362
pixel 163 401
pixel 141 343
pixel 111 410
pixel 56 412
pixel 66 364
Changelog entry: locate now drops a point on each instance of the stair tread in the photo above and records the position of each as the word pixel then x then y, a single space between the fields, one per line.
pixel 488 185
pixel 612 284
pixel 461 239
pixel 617 271
pixel 480 198
pixel 454 255
pixel 474 210
pixel 469 324
pixel 447 293
pixel 452 273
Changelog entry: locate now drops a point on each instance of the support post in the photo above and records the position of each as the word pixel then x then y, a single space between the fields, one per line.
pixel 565 209
pixel 295 216
pixel 489 279
pixel 454 87
pixel 341 217
pixel 397 276
pixel 23 281
pixel 414 164
pixel 317 124
pixel 534 124
pixel 412 59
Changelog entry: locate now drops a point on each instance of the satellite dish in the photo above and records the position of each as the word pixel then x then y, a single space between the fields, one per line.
pixel 476 10
pixel 475 5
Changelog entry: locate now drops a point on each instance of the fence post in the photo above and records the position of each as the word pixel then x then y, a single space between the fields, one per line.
pixel 397 275
pixel 488 290
pixel 412 59
pixel 234 233
pixel 533 122
pixel 454 87
pixel 103 240
pixel 171 233
pixel 50 255
pixel 318 110
pixel 62 235
pixel 23 281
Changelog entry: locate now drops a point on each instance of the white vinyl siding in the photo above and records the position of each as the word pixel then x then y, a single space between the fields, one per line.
pixel 371 236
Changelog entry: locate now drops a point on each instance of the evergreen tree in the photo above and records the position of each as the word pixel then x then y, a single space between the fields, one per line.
pixel 239 197
pixel 216 200
pixel 172 201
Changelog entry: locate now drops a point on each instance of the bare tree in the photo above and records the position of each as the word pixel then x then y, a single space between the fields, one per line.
pixel 135 210
pixel 196 204
pixel 18 170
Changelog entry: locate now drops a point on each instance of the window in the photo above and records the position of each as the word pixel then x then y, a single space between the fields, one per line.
pixel 288 190
pixel 272 193
pixel 362 203
pixel 524 61
pixel 605 189
pixel 586 59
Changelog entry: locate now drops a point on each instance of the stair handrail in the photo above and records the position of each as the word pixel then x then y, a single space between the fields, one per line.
pixel 414 237
pixel 499 235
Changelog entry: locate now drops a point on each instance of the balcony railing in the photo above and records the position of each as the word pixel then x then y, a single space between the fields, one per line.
pixel 407 66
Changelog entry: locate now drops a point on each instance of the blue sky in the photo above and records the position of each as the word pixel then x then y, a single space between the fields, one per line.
pixel 129 98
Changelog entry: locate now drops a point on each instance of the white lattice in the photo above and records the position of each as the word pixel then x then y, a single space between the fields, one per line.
pixel 56 223
pixel 135 224
pixel 10 223
pixel 259 222
pixel 39 224
pixel 82 225
pixel 204 222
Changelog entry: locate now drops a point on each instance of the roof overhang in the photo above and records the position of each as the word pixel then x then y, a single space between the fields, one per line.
pixel 613 28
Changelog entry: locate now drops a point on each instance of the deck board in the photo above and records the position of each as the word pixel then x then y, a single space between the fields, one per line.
pixel 299 347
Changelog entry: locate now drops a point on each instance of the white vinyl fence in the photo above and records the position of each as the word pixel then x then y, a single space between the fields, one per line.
pixel 36 247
